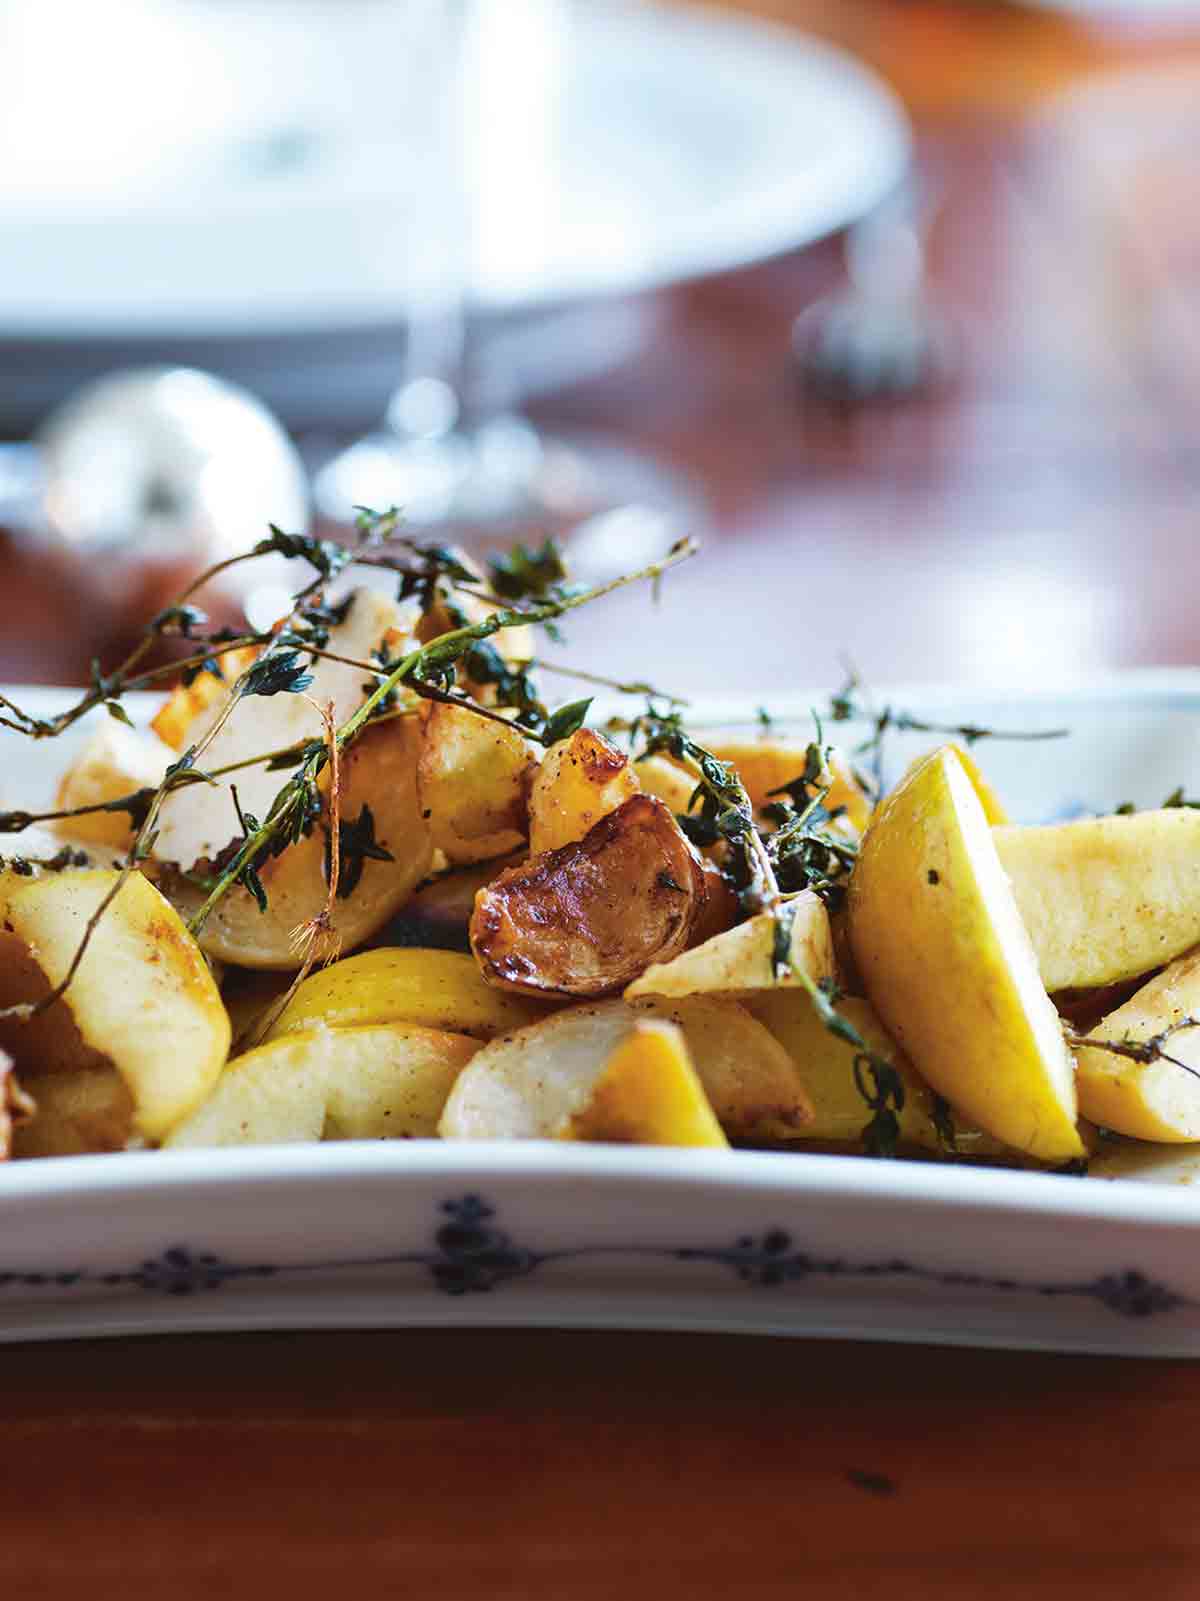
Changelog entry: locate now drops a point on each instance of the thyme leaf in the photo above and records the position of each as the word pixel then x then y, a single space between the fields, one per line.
pixel 357 846
pixel 526 573
pixel 564 722
pixel 277 673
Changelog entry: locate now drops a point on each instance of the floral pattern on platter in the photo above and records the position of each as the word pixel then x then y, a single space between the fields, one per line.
pixel 471 1254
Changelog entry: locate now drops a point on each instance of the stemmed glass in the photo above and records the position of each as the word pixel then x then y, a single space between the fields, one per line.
pixel 452 451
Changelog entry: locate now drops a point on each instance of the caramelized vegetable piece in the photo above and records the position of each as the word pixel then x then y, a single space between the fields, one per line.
pixel 580 781
pixel 15 1106
pixel 587 919
pixel 142 1001
pixel 473 779
pixel 83 1111
pixel 743 958
pixel 185 703
pixel 768 764
pixel 649 1094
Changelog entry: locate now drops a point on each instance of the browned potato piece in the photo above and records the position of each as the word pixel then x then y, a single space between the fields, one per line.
pixel 580 781
pixel 473 779
pixel 767 764
pixel 587 919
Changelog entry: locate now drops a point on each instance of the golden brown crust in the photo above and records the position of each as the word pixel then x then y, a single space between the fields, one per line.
pixel 15 1106
pixel 586 919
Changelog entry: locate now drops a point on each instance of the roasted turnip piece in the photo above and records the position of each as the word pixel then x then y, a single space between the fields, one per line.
pixel 586 919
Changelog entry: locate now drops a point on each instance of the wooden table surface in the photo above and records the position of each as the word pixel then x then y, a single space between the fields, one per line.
pixel 1039 519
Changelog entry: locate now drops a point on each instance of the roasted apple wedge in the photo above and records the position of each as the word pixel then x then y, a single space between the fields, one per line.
pixel 384 1082
pixel 534 1083
pixel 1106 898
pixel 586 919
pixel 742 959
pixel 649 1094
pixel 143 1001
pixel 435 989
pixel 1158 1099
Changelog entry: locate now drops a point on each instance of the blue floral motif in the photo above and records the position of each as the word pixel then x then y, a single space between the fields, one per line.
pixel 1134 1295
pixel 471 1255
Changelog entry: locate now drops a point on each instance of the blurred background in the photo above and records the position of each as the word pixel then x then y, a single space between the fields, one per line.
pixel 894 303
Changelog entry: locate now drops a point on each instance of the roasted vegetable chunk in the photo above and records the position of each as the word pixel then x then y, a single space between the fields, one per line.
pixel 585 920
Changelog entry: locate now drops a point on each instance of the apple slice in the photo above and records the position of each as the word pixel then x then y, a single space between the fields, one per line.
pixel 1106 898
pixel 386 1082
pixel 1156 1100
pixel 947 963
pixel 741 959
pixel 826 1064
pixel 649 1094
pixel 435 989
pixel 529 1085
pixel 143 998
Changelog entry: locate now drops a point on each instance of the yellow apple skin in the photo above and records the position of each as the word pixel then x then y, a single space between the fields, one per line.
pixel 649 1094
pixel 143 997
pixel 949 967
pixel 385 1082
pixel 1148 1100
pixel 993 807
pixel 1106 898
pixel 741 959
pixel 826 1065
pixel 435 989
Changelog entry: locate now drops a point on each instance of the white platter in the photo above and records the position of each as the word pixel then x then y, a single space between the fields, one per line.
pixel 417 1233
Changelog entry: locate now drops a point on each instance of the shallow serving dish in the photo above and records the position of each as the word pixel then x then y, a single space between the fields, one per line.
pixel 419 1233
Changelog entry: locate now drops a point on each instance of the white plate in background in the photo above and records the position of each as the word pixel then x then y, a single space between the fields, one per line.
pixel 618 146
pixel 415 1233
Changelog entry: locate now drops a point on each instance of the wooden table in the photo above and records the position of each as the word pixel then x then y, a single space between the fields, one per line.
pixel 1039 519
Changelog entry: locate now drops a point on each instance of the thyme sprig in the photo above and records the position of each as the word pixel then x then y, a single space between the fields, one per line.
pixel 1143 1051
pixel 853 703
pixel 720 808
pixel 877 1080
pixel 422 665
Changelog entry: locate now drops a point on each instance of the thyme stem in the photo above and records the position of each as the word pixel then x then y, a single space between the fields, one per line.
pixel 439 652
